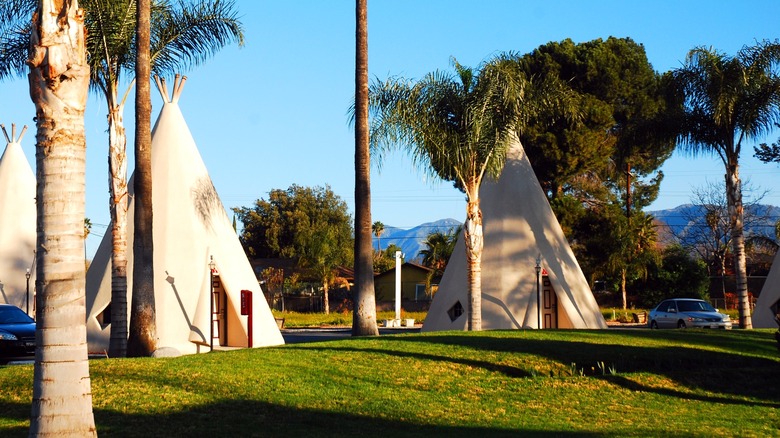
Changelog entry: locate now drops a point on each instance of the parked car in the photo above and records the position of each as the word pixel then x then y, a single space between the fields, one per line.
pixel 687 312
pixel 17 334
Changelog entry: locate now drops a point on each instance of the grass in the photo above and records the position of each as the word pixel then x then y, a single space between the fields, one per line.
pixel 298 320
pixel 616 382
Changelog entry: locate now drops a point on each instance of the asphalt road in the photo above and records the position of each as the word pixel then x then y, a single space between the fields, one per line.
pixel 295 336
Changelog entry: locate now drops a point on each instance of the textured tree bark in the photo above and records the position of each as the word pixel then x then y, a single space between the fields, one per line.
pixel 736 216
pixel 364 311
pixel 474 240
pixel 117 175
pixel 59 81
pixel 142 340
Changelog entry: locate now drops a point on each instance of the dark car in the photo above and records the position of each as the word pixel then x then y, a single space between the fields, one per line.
pixel 17 334
pixel 687 312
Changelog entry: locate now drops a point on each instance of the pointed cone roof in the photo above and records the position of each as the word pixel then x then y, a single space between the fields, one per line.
pixel 17 222
pixel 190 227
pixel 769 300
pixel 519 225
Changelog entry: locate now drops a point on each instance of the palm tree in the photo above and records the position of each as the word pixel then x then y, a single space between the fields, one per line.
pixel 184 34
pixel 729 100
pixel 458 127
pixel 59 84
pixel 437 252
pixel 364 309
pixel 438 249
pixel 142 339
pixel 378 228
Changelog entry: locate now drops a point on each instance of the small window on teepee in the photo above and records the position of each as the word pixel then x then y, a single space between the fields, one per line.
pixel 104 317
pixel 455 311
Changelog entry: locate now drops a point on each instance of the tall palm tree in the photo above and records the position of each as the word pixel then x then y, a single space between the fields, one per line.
pixel 364 309
pixel 729 100
pixel 378 228
pixel 59 81
pixel 458 127
pixel 184 34
pixel 142 339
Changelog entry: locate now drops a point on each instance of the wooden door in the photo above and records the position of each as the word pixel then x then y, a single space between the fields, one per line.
pixel 549 304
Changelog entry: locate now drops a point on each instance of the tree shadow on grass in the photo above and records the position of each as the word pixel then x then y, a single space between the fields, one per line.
pixel 506 370
pixel 248 418
pixel 720 372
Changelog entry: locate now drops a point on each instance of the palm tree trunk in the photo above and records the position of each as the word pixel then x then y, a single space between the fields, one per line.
pixel 142 340
pixel 325 297
pixel 117 171
pixel 474 241
pixel 736 216
pixel 59 81
pixel 364 310
pixel 623 293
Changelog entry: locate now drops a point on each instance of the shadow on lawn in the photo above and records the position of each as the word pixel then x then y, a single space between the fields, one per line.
pixel 259 419
pixel 719 372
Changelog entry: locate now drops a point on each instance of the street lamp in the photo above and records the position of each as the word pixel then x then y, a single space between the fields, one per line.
pixel 27 275
pixel 538 268
pixel 212 265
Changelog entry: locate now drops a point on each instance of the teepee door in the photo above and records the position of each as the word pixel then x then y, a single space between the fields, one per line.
pixel 549 304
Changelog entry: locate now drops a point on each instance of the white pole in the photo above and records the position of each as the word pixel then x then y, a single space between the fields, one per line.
pixel 398 257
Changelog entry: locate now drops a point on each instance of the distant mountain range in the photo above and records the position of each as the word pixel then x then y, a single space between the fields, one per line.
pixel 411 240
pixel 760 219
pixel 678 219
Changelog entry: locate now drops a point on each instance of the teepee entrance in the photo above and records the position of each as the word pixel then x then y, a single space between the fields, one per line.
pixel 549 304
pixel 219 320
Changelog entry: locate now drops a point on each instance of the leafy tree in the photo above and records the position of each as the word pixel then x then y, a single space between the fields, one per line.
pixel 621 99
pixel 678 275
pixel 767 153
pixel 384 260
pixel 364 309
pixel 183 34
pixel 604 162
pixel 617 247
pixel 311 226
pixel 59 81
pixel 458 127
pixel 729 100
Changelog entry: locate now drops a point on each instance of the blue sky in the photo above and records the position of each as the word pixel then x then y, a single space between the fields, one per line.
pixel 274 112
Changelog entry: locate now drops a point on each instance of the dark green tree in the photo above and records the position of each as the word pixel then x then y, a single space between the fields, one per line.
pixel 310 225
pixel 608 161
pixel 768 153
pixel 622 101
pixel 729 100
pixel 676 274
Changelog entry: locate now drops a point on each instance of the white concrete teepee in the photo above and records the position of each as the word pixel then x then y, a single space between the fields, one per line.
pixel 17 224
pixel 768 303
pixel 191 230
pixel 519 225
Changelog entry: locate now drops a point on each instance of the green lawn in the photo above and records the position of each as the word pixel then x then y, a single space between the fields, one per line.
pixel 617 382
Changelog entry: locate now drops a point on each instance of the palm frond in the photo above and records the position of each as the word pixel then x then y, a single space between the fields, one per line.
pixel 15 23
pixel 187 35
